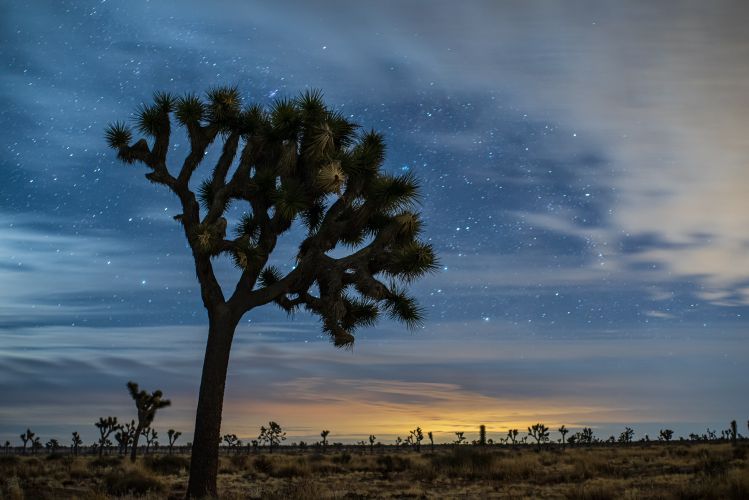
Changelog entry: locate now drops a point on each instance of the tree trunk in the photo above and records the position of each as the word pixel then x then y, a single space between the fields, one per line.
pixel 134 447
pixel 204 459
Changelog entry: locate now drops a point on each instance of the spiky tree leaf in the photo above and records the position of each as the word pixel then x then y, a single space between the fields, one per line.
pixel 412 261
pixel 404 308
pixel 189 109
pixel 390 193
pixel 118 135
pixel 269 276
pixel 290 199
pixel 149 119
pixel 164 101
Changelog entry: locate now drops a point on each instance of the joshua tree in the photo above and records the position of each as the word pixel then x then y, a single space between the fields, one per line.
pixel 36 444
pixel 398 441
pixel 459 438
pixel 52 445
pixel 665 435
pixel 150 435
pixel 147 404
pixel 173 436
pixel 563 431
pixel 733 432
pixel 106 427
pixel 26 437
pixel 299 160
pixel 123 440
pixel 482 435
pixel 324 436
pixel 626 436
pixel 7 447
pixel 417 436
pixel 540 433
pixel 76 443
pixel 372 439
pixel 231 440
pixel 431 441
pixel 512 435
pixel 273 435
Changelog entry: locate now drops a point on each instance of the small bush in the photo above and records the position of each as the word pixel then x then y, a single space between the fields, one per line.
pixel 342 458
pixel 263 464
pixel 393 463
pixel 239 461
pixel 167 464
pixel 132 482
pixel 104 462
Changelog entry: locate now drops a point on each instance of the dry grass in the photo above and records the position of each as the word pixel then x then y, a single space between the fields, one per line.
pixel 677 471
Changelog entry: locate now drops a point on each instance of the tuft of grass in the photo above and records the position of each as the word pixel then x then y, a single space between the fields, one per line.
pixel 167 464
pixel 131 482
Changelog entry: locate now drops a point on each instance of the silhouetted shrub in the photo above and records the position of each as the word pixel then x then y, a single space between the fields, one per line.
pixel 393 463
pixel 263 464
pixel 167 464
pixel 131 482
pixel 104 462
pixel 342 459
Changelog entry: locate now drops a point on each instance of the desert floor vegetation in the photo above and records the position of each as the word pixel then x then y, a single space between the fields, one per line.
pixel 639 471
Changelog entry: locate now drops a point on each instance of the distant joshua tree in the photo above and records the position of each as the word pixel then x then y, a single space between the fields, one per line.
pixel 324 436
pixel 459 438
pixel 733 432
pixel 431 441
pixel 540 433
pixel 36 445
pixel 512 435
pixel 150 435
pixel 106 427
pixel 53 445
pixel 372 439
pixel 482 435
pixel 563 431
pixel 665 435
pixel 231 440
pixel 626 436
pixel 26 437
pixel 123 440
pixel 146 404
pixel 417 436
pixel 273 435
pixel 173 436
pixel 76 443
pixel 7 447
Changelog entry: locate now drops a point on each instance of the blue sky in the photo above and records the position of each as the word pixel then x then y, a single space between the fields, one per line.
pixel 584 172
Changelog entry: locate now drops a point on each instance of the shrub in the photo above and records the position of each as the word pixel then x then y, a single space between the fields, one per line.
pixel 104 462
pixel 393 463
pixel 263 464
pixel 167 464
pixel 131 482
pixel 342 459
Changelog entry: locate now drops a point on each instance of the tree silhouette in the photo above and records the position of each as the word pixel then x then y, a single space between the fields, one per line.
pixel 172 435
pixel 76 443
pixel 431 441
pixel 563 431
pixel 52 445
pixel 665 435
pixel 273 435
pixel 324 436
pixel 26 437
pixel 512 435
pixel 459 438
pixel 231 440
pixel 150 435
pixel 106 427
pixel 482 435
pixel 626 436
pixel 7 447
pixel 36 444
pixel 146 404
pixel 123 440
pixel 733 432
pixel 299 160
pixel 372 439
pixel 540 433
pixel 416 437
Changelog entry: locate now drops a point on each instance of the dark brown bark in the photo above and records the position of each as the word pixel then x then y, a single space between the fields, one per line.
pixel 204 459
pixel 134 447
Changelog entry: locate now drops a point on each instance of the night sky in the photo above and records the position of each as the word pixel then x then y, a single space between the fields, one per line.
pixel 585 184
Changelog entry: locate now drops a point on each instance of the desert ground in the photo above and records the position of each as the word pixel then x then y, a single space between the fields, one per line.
pixel 677 470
